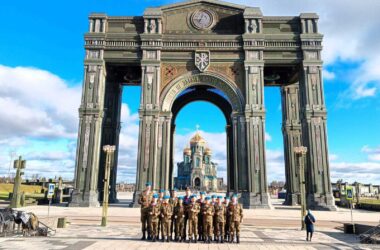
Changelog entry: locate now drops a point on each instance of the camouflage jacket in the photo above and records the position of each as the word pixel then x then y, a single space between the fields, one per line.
pixel 193 210
pixel 154 212
pixel 145 199
pixel 235 212
pixel 220 213
pixel 166 211
pixel 208 212
pixel 179 211
pixel 173 201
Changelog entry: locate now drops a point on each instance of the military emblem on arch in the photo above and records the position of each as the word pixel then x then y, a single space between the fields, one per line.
pixel 202 60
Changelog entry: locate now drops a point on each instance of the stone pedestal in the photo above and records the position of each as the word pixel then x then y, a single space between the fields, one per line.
pixel 252 201
pixel 321 202
pixel 88 199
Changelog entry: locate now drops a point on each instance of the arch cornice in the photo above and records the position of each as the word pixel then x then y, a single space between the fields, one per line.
pixel 212 79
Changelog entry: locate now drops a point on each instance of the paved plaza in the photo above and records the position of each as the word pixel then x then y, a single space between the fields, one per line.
pixel 277 228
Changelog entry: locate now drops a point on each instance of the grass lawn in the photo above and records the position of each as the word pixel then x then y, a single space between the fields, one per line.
pixel 370 201
pixel 30 191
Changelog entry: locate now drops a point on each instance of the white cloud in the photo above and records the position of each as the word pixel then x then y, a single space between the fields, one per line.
pixel 328 74
pixel 38 117
pixel 351 34
pixel 268 137
pixel 372 153
pixel 333 157
pixel 37 104
pixel 363 172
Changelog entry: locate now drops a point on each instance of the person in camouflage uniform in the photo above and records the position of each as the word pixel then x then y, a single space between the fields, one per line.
pixel 173 202
pixel 186 203
pixel 213 203
pixel 166 217
pixel 144 200
pixel 160 200
pixel 235 211
pixel 201 201
pixel 208 214
pixel 192 214
pixel 227 224
pixel 220 219
pixel 179 215
pixel 154 215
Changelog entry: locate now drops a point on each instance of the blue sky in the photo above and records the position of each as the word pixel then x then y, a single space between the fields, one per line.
pixel 41 70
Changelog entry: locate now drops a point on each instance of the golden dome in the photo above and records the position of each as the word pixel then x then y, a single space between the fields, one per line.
pixel 197 138
pixel 187 151
pixel 208 151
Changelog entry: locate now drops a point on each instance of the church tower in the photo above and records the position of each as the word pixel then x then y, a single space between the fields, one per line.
pixel 197 169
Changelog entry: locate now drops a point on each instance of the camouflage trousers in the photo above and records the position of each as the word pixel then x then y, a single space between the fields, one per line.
pixel 219 230
pixel 192 227
pixel 145 224
pixel 179 227
pixel 165 227
pixel 207 227
pixel 154 228
pixel 235 228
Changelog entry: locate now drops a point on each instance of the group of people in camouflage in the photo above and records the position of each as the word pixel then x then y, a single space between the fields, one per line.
pixel 200 217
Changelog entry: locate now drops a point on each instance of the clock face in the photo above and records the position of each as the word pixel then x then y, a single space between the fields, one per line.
pixel 202 19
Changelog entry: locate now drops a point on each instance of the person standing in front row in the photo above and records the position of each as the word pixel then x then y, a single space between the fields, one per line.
pixel 186 203
pixel 154 214
pixel 192 222
pixel 208 214
pixel 166 217
pixel 160 200
pixel 179 215
pixel 235 211
pixel 173 202
pixel 144 200
pixel 227 224
pixel 201 202
pixel 220 219
pixel 309 222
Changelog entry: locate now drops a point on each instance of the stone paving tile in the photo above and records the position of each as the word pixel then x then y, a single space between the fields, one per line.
pixel 127 237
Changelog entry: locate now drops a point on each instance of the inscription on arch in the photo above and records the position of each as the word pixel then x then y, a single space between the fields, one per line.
pixel 234 97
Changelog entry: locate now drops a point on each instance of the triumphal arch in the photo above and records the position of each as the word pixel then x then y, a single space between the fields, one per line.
pixel 214 51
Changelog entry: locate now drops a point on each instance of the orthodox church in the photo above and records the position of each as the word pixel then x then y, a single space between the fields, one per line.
pixel 197 170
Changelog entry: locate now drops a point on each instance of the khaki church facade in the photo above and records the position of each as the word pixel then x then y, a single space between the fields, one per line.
pixel 212 51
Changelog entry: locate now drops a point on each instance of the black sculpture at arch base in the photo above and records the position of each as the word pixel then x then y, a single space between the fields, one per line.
pixel 226 58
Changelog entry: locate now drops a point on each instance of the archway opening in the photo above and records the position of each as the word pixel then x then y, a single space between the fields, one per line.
pixel 201 165
pixel 274 144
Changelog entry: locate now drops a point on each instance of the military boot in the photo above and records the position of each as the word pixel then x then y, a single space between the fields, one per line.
pixel 221 239
pixel 231 238
pixel 237 239
pixel 149 235
pixel 144 235
pixel 168 239
pixel 154 238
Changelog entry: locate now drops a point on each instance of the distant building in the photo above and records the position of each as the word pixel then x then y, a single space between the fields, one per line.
pixel 197 170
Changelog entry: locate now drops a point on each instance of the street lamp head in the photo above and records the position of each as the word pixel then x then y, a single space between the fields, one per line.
pixel 300 150
pixel 109 148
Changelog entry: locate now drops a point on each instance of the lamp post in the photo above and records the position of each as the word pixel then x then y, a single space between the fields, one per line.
pixel 109 150
pixel 300 153
pixel 19 165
